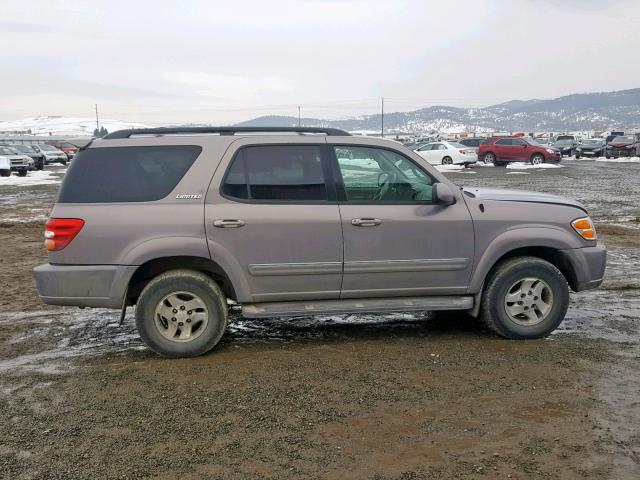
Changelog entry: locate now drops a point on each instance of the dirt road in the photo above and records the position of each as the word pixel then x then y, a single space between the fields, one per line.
pixel 381 396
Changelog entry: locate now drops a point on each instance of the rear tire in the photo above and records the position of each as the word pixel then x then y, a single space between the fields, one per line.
pixel 524 298
pixel 488 158
pixel 447 161
pixel 23 172
pixel 181 313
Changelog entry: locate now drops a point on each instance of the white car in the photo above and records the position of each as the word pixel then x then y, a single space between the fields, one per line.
pixel 5 166
pixel 52 154
pixel 448 153
pixel 17 162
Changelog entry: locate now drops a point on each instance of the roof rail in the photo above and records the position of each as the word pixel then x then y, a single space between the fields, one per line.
pixel 333 132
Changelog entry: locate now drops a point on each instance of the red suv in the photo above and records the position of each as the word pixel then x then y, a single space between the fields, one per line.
pixel 67 147
pixel 501 150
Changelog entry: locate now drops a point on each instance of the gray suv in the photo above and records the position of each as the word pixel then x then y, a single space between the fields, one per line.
pixel 183 223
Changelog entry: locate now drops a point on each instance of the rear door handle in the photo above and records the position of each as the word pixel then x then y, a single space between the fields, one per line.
pixel 228 223
pixel 366 222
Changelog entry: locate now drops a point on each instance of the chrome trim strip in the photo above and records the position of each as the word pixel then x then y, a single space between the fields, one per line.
pixel 316 268
pixel 418 265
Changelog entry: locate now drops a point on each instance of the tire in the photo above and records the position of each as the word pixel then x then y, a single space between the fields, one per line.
pixel 63 162
pixel 541 314
pixel 178 288
pixel 5 173
pixel 537 159
pixel 23 172
pixel 577 156
pixel 447 161
pixel 488 158
pixel 39 164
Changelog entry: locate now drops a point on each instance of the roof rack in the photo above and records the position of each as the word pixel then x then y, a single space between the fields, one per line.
pixel 332 132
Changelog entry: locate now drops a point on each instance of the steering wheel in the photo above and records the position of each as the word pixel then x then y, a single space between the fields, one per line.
pixel 386 182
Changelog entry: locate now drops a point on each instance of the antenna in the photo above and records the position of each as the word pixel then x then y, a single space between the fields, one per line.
pixel 382 120
pixel 97 121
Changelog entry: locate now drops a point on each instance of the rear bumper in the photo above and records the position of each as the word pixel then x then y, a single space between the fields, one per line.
pixel 83 285
pixel 588 265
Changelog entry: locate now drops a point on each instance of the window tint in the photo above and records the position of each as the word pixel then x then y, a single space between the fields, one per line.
pixel 440 146
pixel 379 175
pixel 276 172
pixel 517 142
pixel 426 148
pixel 126 174
pixel 504 141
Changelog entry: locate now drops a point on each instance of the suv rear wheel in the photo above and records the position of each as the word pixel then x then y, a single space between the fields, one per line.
pixel 488 157
pixel 525 297
pixel 181 313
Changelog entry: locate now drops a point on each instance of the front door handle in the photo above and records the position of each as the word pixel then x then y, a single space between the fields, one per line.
pixel 366 222
pixel 228 223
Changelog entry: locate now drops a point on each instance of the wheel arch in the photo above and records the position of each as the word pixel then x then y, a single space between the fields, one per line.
pixel 545 243
pixel 152 268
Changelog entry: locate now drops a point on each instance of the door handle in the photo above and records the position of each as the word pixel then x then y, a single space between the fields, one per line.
pixel 366 222
pixel 228 223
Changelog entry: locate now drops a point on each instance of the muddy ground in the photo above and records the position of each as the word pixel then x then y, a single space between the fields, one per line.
pixel 380 396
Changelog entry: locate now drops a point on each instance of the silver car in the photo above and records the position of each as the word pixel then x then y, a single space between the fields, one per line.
pixel 183 222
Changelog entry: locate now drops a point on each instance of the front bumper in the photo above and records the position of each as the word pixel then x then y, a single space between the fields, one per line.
pixel 588 265
pixel 83 285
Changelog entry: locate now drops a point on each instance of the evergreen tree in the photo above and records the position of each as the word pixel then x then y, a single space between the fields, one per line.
pixel 96 132
pixel 103 132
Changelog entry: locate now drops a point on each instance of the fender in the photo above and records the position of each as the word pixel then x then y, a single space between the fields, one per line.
pixel 162 247
pixel 522 237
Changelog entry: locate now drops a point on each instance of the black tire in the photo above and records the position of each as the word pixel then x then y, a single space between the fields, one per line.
pixel 39 164
pixel 488 157
pixel 5 173
pixel 447 161
pixel 493 310
pixel 23 172
pixel 63 162
pixel 537 159
pixel 577 156
pixel 194 283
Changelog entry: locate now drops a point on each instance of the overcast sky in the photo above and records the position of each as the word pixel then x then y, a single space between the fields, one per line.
pixel 220 61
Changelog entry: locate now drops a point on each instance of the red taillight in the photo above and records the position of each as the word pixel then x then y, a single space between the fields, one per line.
pixel 59 232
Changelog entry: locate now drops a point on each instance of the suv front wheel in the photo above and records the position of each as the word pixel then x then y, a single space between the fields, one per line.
pixel 525 297
pixel 181 313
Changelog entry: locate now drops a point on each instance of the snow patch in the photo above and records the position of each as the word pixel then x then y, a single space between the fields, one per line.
pixel 38 177
pixel 528 166
pixel 619 160
pixel 518 173
pixel 449 168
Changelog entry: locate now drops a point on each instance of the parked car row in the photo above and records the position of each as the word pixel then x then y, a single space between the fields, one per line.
pixel 21 158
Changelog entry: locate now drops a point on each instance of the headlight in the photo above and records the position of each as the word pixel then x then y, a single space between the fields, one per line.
pixel 550 151
pixel 584 227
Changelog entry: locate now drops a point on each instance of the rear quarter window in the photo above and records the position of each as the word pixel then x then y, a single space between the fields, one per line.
pixel 126 174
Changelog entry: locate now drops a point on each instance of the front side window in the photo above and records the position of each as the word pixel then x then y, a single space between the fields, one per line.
pixel 379 175
pixel 276 172
pixel 517 142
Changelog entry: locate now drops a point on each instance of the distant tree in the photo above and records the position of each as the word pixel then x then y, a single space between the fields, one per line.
pixel 96 132
pixel 29 132
pixel 103 132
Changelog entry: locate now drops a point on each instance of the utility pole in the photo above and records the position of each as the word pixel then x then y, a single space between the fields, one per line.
pixel 97 122
pixel 382 120
pixel 298 116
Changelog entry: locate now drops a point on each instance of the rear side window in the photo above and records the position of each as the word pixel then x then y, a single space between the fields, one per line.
pixel 276 172
pixel 126 174
pixel 504 141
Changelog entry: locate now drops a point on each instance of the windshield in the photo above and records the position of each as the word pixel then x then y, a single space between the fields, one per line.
pixel 6 151
pixel 564 137
pixel 623 139
pixel 23 148
pixel 593 141
pixel 48 148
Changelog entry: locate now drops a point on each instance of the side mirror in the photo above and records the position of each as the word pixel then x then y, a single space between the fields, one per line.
pixel 442 194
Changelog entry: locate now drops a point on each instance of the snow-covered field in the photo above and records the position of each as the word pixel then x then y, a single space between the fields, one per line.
pixel 64 126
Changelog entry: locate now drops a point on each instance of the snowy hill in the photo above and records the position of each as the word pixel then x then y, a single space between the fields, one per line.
pixel 63 126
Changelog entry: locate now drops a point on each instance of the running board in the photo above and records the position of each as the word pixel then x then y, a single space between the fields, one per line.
pixel 367 305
